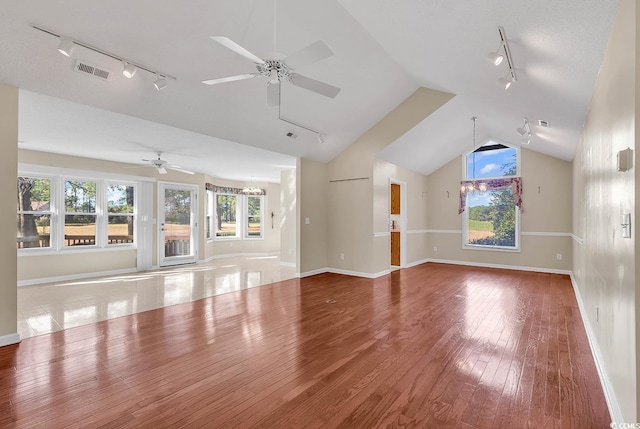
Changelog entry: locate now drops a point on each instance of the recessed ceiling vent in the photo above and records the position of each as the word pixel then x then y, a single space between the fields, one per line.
pixel 292 135
pixel 543 123
pixel 93 70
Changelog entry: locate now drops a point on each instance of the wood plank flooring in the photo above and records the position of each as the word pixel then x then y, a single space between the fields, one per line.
pixel 434 346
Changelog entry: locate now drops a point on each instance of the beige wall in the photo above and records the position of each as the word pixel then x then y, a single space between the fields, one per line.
pixel 311 191
pixel 547 184
pixel 8 167
pixel 353 204
pixel 288 215
pixel 414 213
pixel 604 264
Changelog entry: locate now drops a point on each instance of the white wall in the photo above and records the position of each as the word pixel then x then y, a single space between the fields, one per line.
pixel 288 213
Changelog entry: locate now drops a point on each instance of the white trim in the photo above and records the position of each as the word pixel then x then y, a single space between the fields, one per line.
pixel 381 234
pixel 288 264
pixel 437 231
pixel 38 251
pixel 504 267
pixel 547 234
pixel 577 239
pixel 312 272
pixel 359 274
pixel 238 255
pixel 26 169
pixel 75 277
pixel 7 340
pixel 609 394
pixel 415 263
pixel 343 272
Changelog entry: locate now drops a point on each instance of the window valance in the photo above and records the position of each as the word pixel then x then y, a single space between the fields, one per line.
pixel 234 191
pixel 491 185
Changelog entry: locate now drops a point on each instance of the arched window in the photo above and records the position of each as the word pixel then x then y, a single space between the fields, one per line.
pixel 490 197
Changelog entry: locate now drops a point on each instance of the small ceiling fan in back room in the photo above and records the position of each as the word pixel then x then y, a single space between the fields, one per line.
pixel 281 67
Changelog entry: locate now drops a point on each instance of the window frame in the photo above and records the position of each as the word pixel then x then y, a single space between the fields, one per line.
pixel 238 209
pixel 57 177
pixel 107 215
pixel 465 215
pixel 52 212
pixel 97 242
pixel 210 215
pixel 246 217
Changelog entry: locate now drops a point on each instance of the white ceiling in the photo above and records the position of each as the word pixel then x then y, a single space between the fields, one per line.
pixel 383 52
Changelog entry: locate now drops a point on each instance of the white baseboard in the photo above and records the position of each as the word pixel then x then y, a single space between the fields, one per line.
pixel 7 340
pixel 75 277
pixel 238 255
pixel 312 273
pixel 420 262
pixel 609 393
pixel 288 264
pixel 359 274
pixel 503 267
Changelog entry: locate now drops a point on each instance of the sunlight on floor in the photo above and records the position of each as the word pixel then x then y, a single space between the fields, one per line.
pixel 52 307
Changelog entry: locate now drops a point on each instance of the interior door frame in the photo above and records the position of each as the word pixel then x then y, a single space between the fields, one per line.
pixel 403 221
pixel 177 260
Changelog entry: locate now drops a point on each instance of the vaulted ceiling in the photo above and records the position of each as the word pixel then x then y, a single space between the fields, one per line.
pixel 383 52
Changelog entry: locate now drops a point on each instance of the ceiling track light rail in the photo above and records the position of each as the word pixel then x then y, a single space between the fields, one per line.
pixel 67 45
pixel 497 58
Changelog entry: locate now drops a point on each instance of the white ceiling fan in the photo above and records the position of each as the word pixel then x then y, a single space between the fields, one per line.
pixel 281 69
pixel 162 166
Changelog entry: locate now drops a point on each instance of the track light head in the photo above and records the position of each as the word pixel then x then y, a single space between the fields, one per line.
pixel 495 58
pixel 160 83
pixel 505 83
pixel 66 46
pixel 321 138
pixel 521 131
pixel 129 70
pixel 526 141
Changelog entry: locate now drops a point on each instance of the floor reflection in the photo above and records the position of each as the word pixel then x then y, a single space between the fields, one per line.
pixel 52 307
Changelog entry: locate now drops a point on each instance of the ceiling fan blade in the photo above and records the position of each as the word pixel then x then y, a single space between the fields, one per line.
pixel 178 168
pixel 161 170
pixel 314 85
pixel 273 94
pixel 230 78
pixel 314 52
pixel 230 44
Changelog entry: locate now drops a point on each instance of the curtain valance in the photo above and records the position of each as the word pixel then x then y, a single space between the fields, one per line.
pixel 234 191
pixel 491 185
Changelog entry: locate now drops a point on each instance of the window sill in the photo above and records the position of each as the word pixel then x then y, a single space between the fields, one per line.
pixel 491 248
pixel 50 252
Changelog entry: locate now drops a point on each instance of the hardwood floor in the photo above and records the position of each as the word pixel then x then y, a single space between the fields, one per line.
pixel 433 346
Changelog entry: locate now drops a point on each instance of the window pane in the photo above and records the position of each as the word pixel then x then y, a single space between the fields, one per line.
pixel 34 231
pixel 253 216
pixel 79 196
pixel 79 230
pixel 492 219
pixel 120 229
pixel 120 199
pixel 491 160
pixel 34 194
pixel 209 215
pixel 226 215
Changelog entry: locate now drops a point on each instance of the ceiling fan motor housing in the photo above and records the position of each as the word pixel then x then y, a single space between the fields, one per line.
pixel 268 66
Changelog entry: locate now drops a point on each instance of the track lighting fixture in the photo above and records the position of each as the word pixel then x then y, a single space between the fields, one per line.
pixel 129 70
pixel 67 46
pixel 525 132
pixel 320 138
pixel 160 83
pixel 505 82
pixel 498 57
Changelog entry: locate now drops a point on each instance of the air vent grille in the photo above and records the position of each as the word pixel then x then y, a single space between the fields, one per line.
pixel 93 70
pixel 543 123
pixel 291 134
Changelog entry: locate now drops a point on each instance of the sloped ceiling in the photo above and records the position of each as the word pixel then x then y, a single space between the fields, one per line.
pixel 383 52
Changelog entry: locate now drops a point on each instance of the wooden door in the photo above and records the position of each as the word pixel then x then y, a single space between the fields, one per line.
pixel 395 248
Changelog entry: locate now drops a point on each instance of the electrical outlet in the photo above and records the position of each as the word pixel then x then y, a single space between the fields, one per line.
pixel 342 256
pixel 435 248
pixel 307 221
pixel 559 256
